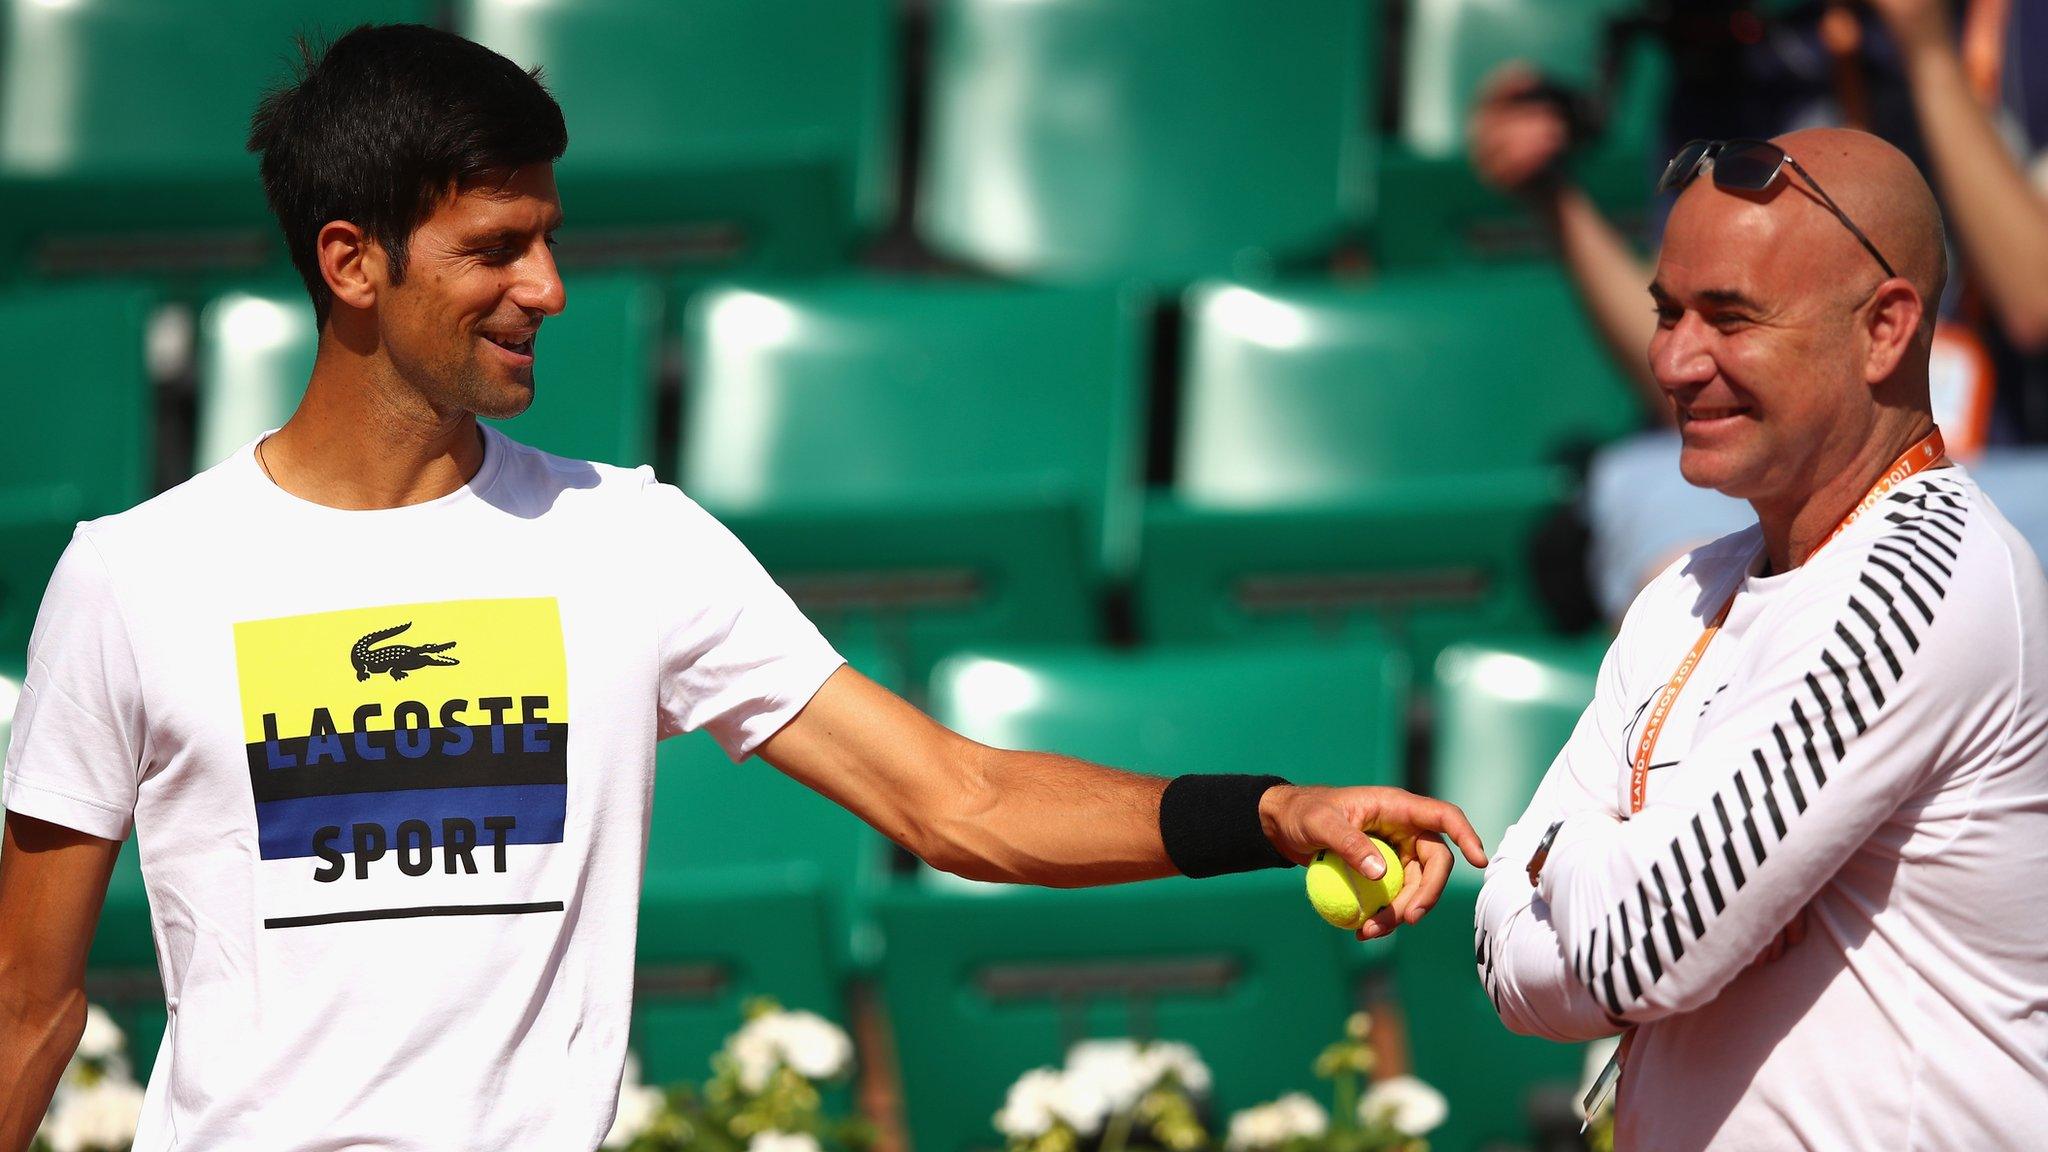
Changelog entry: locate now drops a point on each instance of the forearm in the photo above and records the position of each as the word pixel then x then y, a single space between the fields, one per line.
pixel 1657 914
pixel 1522 965
pixel 1040 818
pixel 1610 280
pixel 1999 220
pixel 37 1038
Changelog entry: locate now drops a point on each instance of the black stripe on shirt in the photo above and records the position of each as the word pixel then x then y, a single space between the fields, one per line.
pixel 1907 564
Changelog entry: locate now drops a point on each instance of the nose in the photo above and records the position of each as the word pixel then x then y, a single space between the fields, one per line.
pixel 1680 357
pixel 540 283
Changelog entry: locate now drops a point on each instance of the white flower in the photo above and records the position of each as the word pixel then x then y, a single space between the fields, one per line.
pixel 1080 1105
pixel 638 1107
pixel 783 1142
pixel 1045 1096
pixel 755 1054
pixel 1181 1061
pixel 101 1118
pixel 1116 1069
pixel 1270 1125
pixel 1123 1070
pixel 102 1039
pixel 1412 1107
pixel 807 1043
pixel 817 1048
pixel 1027 1109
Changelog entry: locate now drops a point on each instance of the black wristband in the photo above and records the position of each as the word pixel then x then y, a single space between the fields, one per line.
pixel 1211 825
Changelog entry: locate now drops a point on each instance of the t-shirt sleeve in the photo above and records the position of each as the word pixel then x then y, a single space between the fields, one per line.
pixel 737 656
pixel 76 750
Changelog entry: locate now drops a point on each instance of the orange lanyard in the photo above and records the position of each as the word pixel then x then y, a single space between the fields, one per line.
pixel 1930 452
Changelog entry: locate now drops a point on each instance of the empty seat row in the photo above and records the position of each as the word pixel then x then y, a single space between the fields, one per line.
pixel 756 886
pixel 1160 139
pixel 928 465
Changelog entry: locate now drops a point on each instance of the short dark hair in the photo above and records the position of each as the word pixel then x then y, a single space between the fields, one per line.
pixel 382 124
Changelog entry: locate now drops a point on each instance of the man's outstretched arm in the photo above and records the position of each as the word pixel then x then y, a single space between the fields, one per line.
pixel 52 882
pixel 1039 818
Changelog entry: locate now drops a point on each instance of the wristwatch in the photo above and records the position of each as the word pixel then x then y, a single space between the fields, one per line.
pixel 1542 853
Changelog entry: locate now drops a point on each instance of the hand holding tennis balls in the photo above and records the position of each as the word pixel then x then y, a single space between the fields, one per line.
pixel 1353 824
pixel 1345 898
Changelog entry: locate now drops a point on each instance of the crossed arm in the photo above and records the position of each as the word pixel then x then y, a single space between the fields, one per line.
pixel 1834 722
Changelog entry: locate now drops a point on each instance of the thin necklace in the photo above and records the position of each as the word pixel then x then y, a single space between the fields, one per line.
pixel 261 464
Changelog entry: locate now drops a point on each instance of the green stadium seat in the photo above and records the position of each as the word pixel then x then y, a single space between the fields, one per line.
pixel 1432 209
pixel 736 903
pixel 722 836
pixel 122 125
pixel 80 412
pixel 594 370
pixel 712 133
pixel 1383 451
pixel 1503 710
pixel 1157 139
pixel 980 990
pixel 255 351
pixel 1239 966
pixel 596 400
pixel 13 670
pixel 707 946
pixel 922 464
pixel 1173 710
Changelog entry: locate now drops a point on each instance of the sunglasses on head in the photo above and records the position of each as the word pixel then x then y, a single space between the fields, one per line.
pixel 1750 166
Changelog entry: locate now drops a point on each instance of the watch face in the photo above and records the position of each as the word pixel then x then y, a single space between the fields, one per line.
pixel 1542 852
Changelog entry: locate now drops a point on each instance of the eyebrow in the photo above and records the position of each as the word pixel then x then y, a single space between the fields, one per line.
pixel 509 232
pixel 1722 297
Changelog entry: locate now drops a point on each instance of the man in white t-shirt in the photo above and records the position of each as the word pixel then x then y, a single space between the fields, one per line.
pixel 1795 844
pixel 379 695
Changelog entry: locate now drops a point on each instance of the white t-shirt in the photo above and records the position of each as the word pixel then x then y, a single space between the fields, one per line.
pixel 389 773
pixel 1867 738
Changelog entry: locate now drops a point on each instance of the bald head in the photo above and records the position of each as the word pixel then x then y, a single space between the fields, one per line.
pixel 1790 357
pixel 1875 185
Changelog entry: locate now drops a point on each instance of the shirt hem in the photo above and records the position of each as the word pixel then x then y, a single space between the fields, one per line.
pixel 75 812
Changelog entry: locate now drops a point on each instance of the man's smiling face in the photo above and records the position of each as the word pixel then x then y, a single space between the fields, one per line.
pixel 1757 343
pixel 479 278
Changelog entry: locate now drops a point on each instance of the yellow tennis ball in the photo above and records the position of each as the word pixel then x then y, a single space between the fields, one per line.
pixel 1343 897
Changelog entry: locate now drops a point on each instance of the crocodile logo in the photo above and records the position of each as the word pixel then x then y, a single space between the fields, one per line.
pixel 397 659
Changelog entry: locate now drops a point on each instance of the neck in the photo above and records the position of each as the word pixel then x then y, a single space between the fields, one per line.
pixel 1796 527
pixel 362 440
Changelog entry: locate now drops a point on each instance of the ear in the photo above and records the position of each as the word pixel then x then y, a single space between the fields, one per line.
pixel 351 263
pixel 1893 327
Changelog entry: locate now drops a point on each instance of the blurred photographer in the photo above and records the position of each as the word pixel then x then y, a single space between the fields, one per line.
pixel 1972 116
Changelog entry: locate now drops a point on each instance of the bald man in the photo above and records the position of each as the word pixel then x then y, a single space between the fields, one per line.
pixel 1794 848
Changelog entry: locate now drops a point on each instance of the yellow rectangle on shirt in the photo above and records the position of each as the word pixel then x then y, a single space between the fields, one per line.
pixel 431 652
